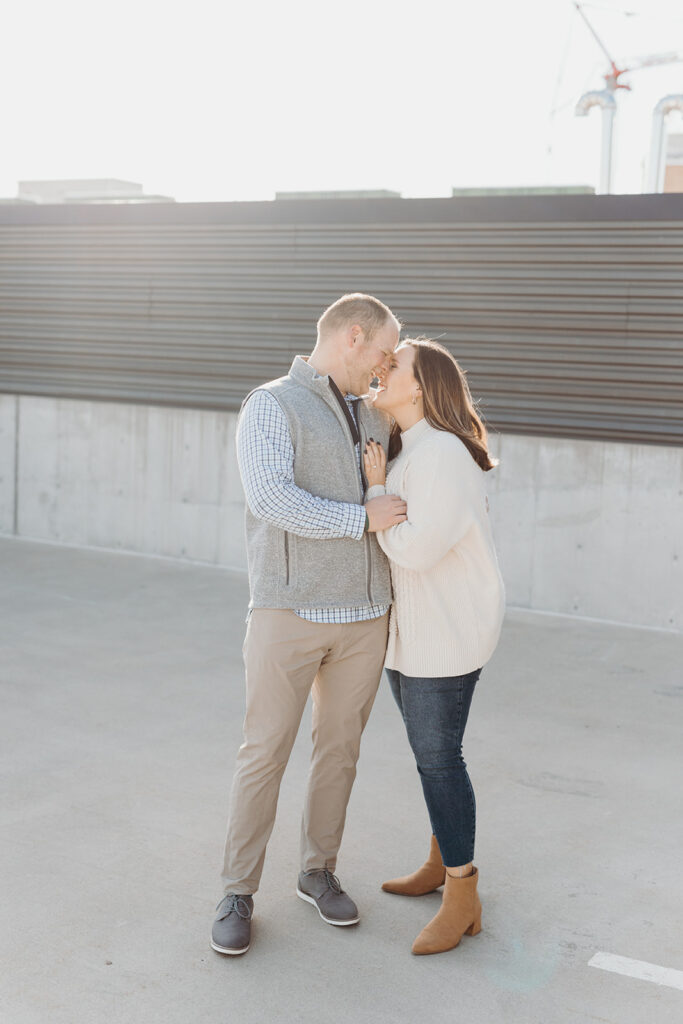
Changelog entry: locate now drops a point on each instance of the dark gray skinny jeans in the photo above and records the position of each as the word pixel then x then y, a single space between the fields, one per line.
pixel 435 713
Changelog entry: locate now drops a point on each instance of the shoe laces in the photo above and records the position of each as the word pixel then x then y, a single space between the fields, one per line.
pixel 332 881
pixel 234 903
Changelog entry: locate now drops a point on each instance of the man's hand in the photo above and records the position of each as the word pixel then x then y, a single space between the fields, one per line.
pixel 385 511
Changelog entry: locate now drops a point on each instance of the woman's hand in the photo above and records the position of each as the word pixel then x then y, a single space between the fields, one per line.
pixel 375 461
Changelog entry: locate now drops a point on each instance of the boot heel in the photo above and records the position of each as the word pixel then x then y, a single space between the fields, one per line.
pixel 474 928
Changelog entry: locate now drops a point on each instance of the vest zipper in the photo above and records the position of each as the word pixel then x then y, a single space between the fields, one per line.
pixel 366 536
pixel 351 423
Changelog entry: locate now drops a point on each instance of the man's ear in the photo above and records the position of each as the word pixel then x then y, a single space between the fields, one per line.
pixel 355 334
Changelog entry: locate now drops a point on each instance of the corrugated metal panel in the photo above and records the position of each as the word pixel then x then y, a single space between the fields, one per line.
pixel 565 311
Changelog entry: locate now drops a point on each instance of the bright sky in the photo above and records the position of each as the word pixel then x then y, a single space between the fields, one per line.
pixel 237 99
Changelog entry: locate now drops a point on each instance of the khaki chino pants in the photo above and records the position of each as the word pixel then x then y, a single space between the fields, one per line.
pixel 286 658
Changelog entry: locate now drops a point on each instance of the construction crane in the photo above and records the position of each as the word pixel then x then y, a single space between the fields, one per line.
pixel 604 98
pixel 612 77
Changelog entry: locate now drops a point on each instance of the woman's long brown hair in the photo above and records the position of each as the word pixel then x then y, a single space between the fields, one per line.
pixel 447 401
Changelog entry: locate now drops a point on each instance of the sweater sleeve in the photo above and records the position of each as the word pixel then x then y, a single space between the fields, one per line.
pixel 441 509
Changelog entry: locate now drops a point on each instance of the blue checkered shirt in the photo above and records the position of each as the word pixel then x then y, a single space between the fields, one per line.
pixel 266 459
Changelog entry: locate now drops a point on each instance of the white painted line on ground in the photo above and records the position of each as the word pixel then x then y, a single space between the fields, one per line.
pixel 638 969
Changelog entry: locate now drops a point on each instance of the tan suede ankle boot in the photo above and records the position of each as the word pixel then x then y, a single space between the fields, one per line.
pixel 460 914
pixel 426 879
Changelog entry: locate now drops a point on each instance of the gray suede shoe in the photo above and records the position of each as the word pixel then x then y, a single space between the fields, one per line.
pixel 231 931
pixel 324 891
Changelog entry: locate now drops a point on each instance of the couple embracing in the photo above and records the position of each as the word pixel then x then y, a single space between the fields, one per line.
pixel 353 570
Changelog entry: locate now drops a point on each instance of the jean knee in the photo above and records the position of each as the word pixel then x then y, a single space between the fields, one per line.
pixel 440 764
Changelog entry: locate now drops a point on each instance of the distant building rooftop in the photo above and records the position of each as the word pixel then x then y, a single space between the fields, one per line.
pixel 673 175
pixel 382 193
pixel 530 190
pixel 378 193
pixel 84 190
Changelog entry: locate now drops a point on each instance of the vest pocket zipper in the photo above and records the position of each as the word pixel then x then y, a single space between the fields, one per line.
pixel 286 559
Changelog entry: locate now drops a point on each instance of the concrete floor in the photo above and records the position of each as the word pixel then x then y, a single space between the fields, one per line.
pixel 122 703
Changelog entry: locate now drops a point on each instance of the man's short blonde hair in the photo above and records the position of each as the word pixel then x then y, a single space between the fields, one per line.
pixel 355 308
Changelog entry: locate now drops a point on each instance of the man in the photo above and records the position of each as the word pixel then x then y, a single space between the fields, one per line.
pixel 320 594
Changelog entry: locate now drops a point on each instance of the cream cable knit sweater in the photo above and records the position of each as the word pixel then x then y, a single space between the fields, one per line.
pixel 449 597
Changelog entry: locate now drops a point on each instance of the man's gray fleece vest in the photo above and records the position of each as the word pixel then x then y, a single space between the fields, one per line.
pixel 288 571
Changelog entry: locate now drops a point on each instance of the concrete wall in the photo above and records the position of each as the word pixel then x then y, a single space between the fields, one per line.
pixel 582 527
pixel 591 528
pixel 142 478
pixel 9 405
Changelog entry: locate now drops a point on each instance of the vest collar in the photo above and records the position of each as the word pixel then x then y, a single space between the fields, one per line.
pixel 303 373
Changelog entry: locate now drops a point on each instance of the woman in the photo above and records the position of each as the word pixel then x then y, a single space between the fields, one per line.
pixel 447 612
